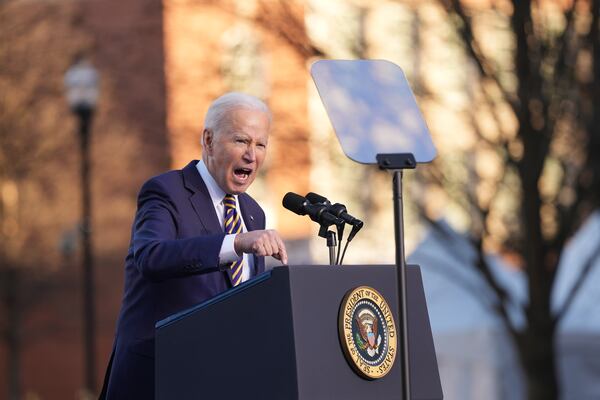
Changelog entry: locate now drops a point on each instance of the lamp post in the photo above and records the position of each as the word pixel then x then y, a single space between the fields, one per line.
pixel 81 84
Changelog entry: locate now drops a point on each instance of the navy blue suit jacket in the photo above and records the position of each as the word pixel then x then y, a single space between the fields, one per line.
pixel 172 264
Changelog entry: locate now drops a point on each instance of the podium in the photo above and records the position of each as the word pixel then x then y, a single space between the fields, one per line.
pixel 276 337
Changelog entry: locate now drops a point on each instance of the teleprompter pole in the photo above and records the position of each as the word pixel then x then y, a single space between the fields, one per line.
pixel 397 163
pixel 401 275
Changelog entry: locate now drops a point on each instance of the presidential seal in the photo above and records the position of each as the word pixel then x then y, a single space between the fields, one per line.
pixel 367 332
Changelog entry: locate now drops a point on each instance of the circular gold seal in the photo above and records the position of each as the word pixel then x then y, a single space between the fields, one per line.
pixel 367 332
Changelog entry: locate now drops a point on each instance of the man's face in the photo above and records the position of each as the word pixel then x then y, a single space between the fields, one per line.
pixel 235 153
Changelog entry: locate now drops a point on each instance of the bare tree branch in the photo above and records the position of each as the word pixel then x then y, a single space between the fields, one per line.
pixel 503 296
pixel 289 24
pixel 499 307
pixel 474 49
pixel 575 289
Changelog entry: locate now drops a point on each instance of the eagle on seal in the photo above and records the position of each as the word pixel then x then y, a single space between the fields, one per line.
pixel 369 331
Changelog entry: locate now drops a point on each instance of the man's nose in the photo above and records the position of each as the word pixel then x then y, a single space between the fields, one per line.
pixel 250 154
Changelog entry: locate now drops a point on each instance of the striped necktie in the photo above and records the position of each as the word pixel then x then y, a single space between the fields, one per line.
pixel 233 225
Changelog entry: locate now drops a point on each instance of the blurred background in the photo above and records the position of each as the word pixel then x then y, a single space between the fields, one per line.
pixel 504 223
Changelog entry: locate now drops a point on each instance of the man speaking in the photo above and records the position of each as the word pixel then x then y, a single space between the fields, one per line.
pixel 196 233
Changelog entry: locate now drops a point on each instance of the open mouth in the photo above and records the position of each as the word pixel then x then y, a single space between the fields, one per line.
pixel 242 173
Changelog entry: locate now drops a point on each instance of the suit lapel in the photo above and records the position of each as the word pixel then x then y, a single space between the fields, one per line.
pixel 200 198
pixel 251 222
pixel 249 219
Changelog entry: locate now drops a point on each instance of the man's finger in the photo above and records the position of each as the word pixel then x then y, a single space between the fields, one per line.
pixel 282 251
pixel 268 246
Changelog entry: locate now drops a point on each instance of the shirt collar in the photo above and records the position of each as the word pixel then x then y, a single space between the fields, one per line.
pixel 216 193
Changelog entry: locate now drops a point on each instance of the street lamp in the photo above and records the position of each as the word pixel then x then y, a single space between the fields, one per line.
pixel 81 84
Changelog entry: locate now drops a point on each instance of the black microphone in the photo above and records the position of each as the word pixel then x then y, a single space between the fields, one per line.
pixel 317 212
pixel 337 209
pixel 317 198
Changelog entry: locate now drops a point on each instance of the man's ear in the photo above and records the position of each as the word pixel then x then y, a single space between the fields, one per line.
pixel 207 140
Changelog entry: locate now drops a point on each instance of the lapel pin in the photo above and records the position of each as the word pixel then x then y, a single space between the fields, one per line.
pixel 252 218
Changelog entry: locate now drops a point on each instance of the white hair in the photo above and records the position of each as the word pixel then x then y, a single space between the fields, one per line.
pixel 217 113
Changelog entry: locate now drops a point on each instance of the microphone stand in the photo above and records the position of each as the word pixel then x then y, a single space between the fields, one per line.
pixel 331 243
pixel 324 232
pixel 396 163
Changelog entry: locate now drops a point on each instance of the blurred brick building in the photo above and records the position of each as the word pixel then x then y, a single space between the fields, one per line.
pixel 161 63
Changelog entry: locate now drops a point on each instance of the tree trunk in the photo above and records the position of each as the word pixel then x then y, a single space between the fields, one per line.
pixel 539 363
